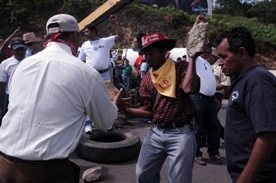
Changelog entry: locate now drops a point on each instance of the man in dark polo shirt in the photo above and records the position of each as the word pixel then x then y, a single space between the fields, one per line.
pixel 164 97
pixel 250 131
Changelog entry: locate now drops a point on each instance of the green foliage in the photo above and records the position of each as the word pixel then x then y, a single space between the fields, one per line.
pixel 31 15
pixel 259 30
pixel 265 12
pixel 231 7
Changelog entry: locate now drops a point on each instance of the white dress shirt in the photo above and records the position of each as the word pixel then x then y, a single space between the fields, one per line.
pixel 51 93
pixel 207 78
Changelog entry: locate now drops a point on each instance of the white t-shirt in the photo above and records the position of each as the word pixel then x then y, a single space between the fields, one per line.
pixel 7 68
pixel 207 78
pixel 96 54
pixel 50 95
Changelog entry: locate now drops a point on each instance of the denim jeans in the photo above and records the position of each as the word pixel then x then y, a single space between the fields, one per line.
pixel 178 144
pixel 106 76
pixel 207 123
pixel 127 82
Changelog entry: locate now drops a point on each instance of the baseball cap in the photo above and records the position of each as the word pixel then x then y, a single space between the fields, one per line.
pixel 157 39
pixel 63 22
pixel 17 42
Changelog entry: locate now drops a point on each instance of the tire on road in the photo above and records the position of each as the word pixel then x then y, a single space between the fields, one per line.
pixel 109 147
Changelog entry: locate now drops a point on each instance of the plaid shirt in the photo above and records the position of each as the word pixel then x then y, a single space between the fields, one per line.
pixel 167 109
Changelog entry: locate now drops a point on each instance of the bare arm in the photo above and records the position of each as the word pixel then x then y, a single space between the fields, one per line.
pixel 8 39
pixel 261 152
pixel 124 105
pixel 221 87
pixel 140 111
pixel 191 81
pixel 119 31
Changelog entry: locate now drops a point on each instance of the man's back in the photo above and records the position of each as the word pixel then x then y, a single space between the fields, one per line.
pixel 50 94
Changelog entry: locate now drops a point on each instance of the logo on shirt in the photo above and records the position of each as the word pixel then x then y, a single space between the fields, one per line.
pixel 235 95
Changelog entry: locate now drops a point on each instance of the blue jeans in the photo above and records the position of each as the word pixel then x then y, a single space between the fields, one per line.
pixel 106 76
pixel 127 82
pixel 178 144
pixel 207 123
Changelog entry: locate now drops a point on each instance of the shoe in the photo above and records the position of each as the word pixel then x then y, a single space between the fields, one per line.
pixel 217 159
pixel 88 129
pixel 199 160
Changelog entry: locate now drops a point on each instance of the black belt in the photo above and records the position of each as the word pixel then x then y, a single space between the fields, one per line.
pixel 203 96
pixel 102 71
pixel 34 162
pixel 168 125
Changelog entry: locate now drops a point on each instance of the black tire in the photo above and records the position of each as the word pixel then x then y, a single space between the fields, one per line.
pixel 109 147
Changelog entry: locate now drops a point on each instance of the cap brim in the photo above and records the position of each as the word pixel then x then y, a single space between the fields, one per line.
pixel 14 47
pixel 169 43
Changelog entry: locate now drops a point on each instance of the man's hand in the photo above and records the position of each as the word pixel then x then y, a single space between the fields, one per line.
pixel 118 100
pixel 114 19
pixel 200 18
pixel 16 32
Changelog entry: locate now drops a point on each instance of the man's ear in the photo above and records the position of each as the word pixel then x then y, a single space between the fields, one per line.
pixel 243 52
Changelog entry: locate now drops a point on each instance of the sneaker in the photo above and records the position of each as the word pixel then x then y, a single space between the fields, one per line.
pixel 88 129
pixel 217 159
pixel 199 160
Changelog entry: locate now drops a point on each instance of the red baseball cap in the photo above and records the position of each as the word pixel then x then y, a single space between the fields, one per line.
pixel 157 40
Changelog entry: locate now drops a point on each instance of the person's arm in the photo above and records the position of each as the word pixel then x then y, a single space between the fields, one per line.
pixel 221 87
pixel 124 105
pixel 261 153
pixel 139 111
pixel 191 81
pixel 8 39
pixel 195 2
pixel 82 55
pixel 119 32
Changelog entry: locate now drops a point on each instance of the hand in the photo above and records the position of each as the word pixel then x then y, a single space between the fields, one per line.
pixel 195 2
pixel 118 100
pixel 200 18
pixel 114 18
pixel 16 32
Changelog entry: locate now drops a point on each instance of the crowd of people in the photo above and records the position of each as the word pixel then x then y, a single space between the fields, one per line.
pixel 50 96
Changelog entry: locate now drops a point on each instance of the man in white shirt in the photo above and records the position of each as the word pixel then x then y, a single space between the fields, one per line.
pixel 7 67
pixel 51 92
pixel 206 119
pixel 95 52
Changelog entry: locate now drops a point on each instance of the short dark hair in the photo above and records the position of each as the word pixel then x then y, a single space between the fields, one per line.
pixel 239 37
pixel 91 27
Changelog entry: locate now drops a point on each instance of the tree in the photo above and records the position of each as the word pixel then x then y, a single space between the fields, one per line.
pixel 265 11
pixel 231 7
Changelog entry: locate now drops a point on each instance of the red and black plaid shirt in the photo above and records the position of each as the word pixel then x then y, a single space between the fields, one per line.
pixel 167 109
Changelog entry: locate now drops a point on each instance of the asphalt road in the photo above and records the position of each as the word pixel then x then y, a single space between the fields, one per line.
pixel 124 172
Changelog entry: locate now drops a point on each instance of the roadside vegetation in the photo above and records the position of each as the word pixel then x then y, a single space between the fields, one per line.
pixel 260 19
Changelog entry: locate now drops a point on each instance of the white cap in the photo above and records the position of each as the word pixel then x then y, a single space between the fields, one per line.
pixel 65 22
